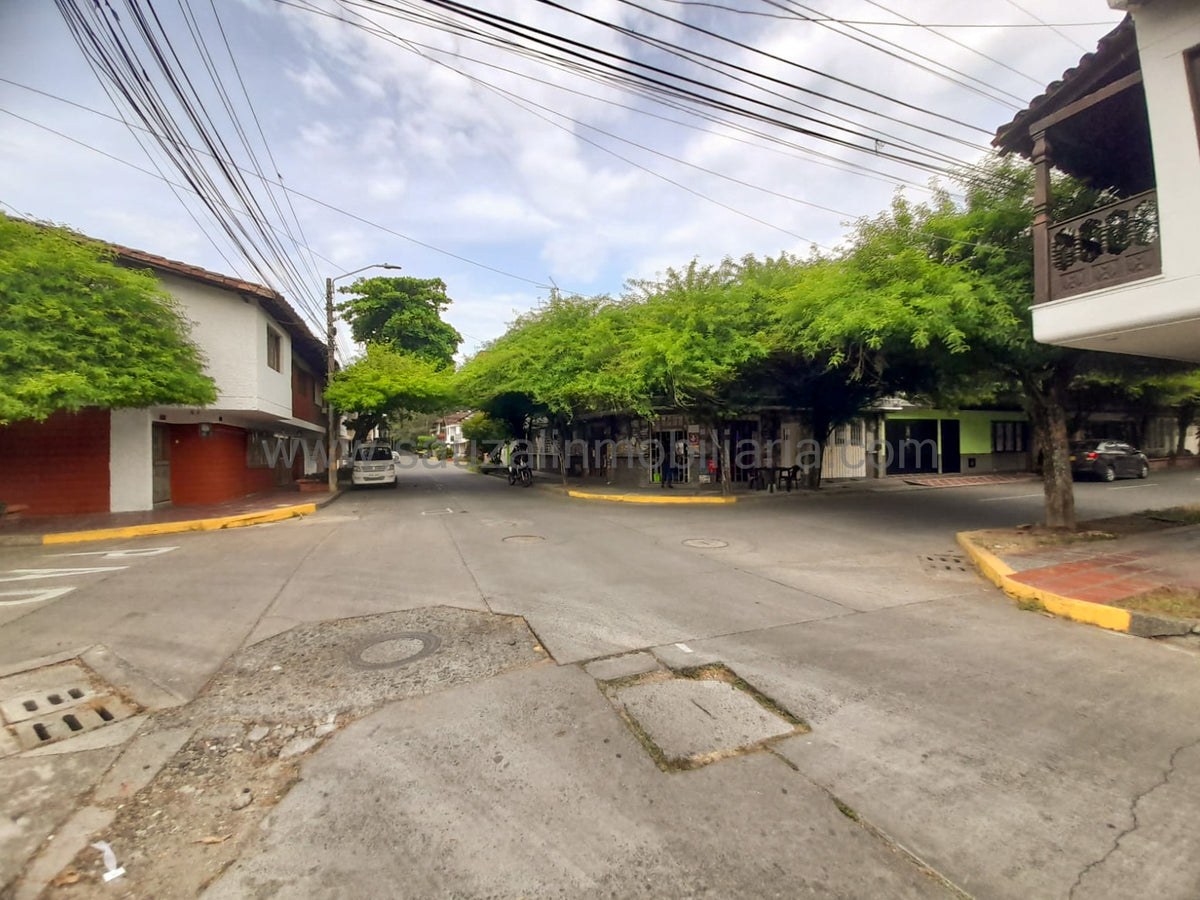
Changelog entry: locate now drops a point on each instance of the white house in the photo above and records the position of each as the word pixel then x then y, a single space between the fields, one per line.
pixel 269 371
pixel 1124 277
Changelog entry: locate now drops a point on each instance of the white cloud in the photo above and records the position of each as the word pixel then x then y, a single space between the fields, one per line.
pixel 390 134
pixel 317 85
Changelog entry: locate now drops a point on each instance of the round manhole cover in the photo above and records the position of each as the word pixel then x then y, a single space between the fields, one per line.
pixel 705 543
pixel 524 539
pixel 385 651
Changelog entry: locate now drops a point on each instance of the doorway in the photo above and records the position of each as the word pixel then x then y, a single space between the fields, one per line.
pixel 160 454
pixel 951 450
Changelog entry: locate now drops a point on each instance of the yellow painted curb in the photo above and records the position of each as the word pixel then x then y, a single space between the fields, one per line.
pixel 642 498
pixel 1000 573
pixel 215 524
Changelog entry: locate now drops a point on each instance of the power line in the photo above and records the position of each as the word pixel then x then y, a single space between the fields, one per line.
pixel 655 76
pixel 1054 28
pixel 319 202
pixel 826 18
pixel 897 51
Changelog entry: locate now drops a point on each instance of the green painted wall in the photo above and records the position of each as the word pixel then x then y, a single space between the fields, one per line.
pixel 975 429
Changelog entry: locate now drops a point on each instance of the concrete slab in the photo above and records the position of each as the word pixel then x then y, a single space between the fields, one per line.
pixel 86 825
pixel 621 666
pixel 139 763
pixel 987 740
pixel 39 794
pixel 683 655
pixel 688 719
pixel 528 785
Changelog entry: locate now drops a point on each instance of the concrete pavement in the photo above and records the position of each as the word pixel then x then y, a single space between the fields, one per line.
pixel 1015 755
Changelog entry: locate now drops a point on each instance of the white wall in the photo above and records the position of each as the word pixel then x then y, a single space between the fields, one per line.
pixel 232 335
pixel 130 461
pixel 1165 29
pixel 1159 316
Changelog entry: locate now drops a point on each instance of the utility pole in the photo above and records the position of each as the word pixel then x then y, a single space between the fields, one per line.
pixel 331 362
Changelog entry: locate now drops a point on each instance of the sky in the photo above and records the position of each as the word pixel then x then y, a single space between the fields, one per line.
pixel 405 132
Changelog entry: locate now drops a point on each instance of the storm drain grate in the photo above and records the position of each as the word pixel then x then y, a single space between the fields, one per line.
pixel 945 563
pixel 42 706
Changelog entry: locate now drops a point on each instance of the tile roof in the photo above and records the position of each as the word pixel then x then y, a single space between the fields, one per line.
pixel 1114 49
pixel 311 348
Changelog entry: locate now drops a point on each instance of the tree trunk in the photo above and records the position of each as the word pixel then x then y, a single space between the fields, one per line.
pixel 1045 404
pixel 822 427
pixel 1184 416
pixel 560 446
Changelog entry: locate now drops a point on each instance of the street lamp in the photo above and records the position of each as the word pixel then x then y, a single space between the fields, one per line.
pixel 329 360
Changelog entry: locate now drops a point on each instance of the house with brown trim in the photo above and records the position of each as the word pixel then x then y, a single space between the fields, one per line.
pixel 1123 277
pixel 269 371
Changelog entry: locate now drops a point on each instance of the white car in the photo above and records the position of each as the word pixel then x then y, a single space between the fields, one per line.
pixel 374 464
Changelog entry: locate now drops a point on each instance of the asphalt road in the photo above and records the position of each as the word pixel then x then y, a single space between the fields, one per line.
pixel 1016 755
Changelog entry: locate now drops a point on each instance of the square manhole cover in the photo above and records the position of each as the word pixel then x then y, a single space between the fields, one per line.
pixel 689 720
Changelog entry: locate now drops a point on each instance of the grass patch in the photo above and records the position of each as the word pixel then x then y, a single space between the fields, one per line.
pixel 847 811
pixel 1173 602
pixel 1177 515
pixel 1031 604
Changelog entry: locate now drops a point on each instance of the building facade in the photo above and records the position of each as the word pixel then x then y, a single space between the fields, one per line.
pixel 1121 277
pixel 265 429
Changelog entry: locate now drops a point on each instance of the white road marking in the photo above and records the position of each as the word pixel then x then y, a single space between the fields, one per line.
pixel 1013 497
pixel 35 574
pixel 1132 487
pixel 685 648
pixel 33 596
pixel 121 554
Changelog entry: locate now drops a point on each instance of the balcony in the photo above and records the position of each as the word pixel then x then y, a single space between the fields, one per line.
pixel 1105 247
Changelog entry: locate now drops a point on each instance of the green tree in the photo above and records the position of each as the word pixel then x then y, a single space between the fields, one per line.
pixel 385 387
pixel 78 330
pixel 482 430
pixel 557 361
pixel 404 314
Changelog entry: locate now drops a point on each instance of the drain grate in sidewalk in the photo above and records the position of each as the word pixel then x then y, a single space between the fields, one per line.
pixel 945 564
pixel 54 703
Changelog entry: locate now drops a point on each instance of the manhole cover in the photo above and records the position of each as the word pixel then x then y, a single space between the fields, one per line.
pixel 386 651
pixel 705 543
pixel 42 706
pixel 945 564
pixel 524 539
pixel 701 716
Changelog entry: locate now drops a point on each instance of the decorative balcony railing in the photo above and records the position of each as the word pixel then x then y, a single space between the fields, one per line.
pixel 1105 247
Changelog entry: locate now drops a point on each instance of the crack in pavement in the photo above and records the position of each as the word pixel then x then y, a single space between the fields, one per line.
pixel 1133 805
pixel 874 830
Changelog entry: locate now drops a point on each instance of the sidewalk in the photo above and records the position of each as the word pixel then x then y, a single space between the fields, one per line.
pixel 686 492
pixel 1144 581
pixel 254 510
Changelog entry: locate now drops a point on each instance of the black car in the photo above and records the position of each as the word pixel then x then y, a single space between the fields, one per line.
pixel 1108 460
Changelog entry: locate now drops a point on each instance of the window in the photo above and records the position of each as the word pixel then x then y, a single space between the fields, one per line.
pixel 856 433
pixel 274 349
pixel 1008 437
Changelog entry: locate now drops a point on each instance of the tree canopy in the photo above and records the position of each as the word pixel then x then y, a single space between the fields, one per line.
pixel 930 301
pixel 386 386
pixel 404 314
pixel 78 330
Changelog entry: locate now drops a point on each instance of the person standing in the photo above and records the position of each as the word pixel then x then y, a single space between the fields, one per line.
pixel 667 465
